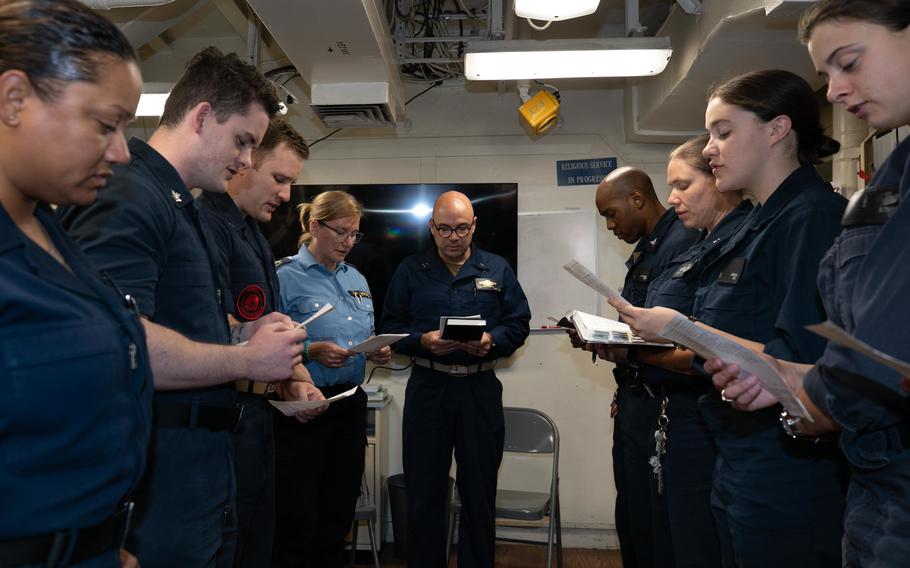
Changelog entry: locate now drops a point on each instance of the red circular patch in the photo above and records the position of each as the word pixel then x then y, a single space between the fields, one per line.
pixel 251 302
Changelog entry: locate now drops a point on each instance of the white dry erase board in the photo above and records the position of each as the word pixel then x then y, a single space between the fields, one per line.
pixel 546 241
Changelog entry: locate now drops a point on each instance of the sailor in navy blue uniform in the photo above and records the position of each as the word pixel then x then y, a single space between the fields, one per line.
pixel 251 291
pixel 683 465
pixel 145 231
pixel 683 475
pixel 633 212
pixel 75 413
pixel 776 501
pixel 864 285
pixel 453 398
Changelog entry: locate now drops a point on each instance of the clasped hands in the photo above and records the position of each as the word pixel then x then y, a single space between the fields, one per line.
pixel 433 342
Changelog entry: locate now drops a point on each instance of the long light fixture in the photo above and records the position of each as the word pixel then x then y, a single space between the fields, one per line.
pixel 550 10
pixel 505 60
pixel 151 104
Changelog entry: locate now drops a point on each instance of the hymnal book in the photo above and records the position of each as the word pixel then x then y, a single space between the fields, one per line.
pixel 595 329
pixel 468 328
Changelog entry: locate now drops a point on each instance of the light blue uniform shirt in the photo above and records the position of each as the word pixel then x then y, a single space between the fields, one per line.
pixel 306 286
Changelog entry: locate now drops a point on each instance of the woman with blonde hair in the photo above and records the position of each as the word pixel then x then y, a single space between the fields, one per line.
pixel 682 467
pixel 319 464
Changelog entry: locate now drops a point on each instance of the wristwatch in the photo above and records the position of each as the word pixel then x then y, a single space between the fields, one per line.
pixel 790 425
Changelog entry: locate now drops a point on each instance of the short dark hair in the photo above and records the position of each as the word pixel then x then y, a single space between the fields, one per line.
pixel 55 42
pixel 774 92
pixel 892 14
pixel 280 132
pixel 225 82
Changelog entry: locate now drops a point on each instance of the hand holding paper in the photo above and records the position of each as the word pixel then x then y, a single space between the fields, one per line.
pixel 648 323
pixel 580 271
pixel 322 311
pixel 712 346
pixel 292 407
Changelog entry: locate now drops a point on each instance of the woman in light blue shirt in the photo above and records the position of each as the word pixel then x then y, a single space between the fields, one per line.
pixel 320 463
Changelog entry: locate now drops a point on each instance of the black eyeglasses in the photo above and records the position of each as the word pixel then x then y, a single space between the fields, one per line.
pixel 445 231
pixel 342 234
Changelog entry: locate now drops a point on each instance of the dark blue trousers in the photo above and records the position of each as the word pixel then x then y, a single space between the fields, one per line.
pixel 688 472
pixel 777 501
pixel 319 466
pixel 254 460
pixel 877 521
pixel 185 509
pixel 641 519
pixel 442 412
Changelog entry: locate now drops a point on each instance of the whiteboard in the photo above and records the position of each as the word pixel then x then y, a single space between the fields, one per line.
pixel 546 241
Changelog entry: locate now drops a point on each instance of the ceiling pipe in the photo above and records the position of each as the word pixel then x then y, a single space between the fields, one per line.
pixel 633 21
pixel 111 4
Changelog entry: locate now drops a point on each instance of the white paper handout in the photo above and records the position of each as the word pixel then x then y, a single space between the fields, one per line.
pixel 377 342
pixel 838 335
pixel 580 271
pixel 595 329
pixel 711 345
pixel 322 311
pixel 291 407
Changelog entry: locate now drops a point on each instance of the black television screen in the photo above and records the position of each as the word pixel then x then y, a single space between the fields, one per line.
pixel 394 224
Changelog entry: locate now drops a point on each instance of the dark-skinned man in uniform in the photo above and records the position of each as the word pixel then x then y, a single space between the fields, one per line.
pixel 453 398
pixel 251 289
pixel 634 214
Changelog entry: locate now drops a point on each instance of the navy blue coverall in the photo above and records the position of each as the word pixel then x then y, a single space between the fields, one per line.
pixel 777 501
pixel 443 411
pixel 688 465
pixel 251 291
pixel 865 287
pixel 145 232
pixel 75 416
pixel 637 409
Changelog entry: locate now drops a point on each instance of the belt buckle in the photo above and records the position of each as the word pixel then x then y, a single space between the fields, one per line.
pixel 238 415
pixel 458 370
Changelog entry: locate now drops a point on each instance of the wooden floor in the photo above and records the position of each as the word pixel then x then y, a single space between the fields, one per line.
pixel 523 556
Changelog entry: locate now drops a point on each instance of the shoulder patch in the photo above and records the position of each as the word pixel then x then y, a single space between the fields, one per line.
pixel 281 262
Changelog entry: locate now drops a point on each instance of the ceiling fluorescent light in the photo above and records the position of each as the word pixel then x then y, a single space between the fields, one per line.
pixel 154 95
pixel 151 104
pixel 549 10
pixel 508 60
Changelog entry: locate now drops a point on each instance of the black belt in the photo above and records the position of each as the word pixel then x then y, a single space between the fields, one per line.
pixel 50 550
pixel 182 415
pixel 455 370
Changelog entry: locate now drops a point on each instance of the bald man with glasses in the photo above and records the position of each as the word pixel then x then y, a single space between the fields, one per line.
pixel 453 398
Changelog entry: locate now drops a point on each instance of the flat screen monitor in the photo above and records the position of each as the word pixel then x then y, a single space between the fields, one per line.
pixel 395 224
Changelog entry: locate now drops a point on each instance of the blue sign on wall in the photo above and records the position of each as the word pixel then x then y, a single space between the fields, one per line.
pixel 583 172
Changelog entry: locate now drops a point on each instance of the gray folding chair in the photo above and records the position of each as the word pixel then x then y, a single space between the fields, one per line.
pixel 366 511
pixel 527 431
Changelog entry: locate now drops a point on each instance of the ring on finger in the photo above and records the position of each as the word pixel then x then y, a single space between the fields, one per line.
pixel 723 396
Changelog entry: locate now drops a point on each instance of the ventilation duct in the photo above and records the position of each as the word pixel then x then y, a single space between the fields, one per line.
pixel 352 105
pixel 343 50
